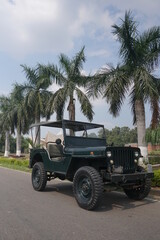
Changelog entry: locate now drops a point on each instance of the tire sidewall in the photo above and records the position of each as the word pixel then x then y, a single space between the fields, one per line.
pixel 43 178
pixel 78 178
pixel 96 187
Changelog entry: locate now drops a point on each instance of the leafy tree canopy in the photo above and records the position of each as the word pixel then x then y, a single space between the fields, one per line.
pixel 119 136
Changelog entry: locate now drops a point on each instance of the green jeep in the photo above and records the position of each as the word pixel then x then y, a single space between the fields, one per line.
pixel 84 159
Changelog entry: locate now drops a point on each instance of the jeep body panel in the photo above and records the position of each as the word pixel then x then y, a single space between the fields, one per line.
pixel 49 164
pixel 115 164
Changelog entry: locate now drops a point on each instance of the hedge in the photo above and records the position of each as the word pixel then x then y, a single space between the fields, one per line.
pixel 156 179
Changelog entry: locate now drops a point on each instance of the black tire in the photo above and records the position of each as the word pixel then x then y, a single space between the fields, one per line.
pixel 39 176
pixel 87 187
pixel 140 192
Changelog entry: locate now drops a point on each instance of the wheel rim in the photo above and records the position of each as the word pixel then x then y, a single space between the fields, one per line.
pixel 36 177
pixel 85 189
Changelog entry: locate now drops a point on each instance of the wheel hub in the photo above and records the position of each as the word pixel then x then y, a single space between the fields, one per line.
pixel 85 187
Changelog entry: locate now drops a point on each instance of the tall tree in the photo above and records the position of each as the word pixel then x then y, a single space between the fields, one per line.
pixel 139 55
pixel 5 121
pixel 69 77
pixel 19 116
pixel 36 95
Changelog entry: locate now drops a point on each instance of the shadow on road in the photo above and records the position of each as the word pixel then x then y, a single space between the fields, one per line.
pixel 109 201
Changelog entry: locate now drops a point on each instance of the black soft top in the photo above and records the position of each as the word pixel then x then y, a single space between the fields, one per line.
pixel 74 125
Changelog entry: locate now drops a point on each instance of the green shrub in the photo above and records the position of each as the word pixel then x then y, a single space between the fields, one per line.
pixel 156 179
pixel 155 152
pixel 154 160
pixel 12 161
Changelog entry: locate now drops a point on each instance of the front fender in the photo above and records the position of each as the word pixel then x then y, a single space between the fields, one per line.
pixel 38 155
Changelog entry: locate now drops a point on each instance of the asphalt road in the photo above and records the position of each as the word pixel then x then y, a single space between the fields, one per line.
pixel 54 214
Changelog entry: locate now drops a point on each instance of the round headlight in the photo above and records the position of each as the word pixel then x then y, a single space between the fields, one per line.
pixel 109 154
pixel 136 154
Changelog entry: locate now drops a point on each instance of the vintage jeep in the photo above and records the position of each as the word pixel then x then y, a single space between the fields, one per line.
pixel 86 160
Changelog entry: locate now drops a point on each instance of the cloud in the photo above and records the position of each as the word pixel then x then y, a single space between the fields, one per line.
pixel 47 26
pixel 108 125
pixel 32 26
pixel 99 102
pixel 54 26
pixel 144 6
pixel 99 52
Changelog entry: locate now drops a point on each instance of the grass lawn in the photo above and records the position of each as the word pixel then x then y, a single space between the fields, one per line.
pixel 18 164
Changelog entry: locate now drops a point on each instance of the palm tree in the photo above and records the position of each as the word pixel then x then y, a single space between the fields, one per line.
pixel 36 96
pixel 5 121
pixel 19 116
pixel 140 55
pixel 69 77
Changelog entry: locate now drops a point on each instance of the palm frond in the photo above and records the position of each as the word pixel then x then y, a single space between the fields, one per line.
pixel 144 84
pixel 83 80
pixel 127 34
pixel 31 74
pixel 56 103
pixel 86 106
pixel 116 88
pixel 150 45
pixel 77 62
pixel 55 74
pixel 65 64
pixel 96 84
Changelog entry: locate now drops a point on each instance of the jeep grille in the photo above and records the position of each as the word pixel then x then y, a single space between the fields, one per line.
pixel 124 157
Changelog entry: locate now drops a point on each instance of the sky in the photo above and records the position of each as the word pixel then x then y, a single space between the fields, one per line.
pixel 38 31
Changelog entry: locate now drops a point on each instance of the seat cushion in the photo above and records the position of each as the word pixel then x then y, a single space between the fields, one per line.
pixel 55 150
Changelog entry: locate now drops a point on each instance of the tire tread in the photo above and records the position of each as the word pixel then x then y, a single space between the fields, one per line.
pixel 98 186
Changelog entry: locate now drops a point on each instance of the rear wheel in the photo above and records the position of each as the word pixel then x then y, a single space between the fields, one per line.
pixel 87 187
pixel 39 176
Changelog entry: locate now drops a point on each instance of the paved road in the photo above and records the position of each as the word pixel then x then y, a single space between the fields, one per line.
pixel 54 214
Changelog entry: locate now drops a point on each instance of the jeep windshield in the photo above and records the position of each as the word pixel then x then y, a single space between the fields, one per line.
pixel 82 134
pixel 83 129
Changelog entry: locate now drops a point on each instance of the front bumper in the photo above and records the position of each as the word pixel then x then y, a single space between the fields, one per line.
pixel 127 178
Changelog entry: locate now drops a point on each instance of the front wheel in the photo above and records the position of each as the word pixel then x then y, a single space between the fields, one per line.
pixel 140 192
pixel 39 176
pixel 87 187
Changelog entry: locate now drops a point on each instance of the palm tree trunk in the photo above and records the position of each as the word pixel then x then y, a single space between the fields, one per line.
pixel 37 131
pixel 18 144
pixel 141 127
pixel 71 110
pixel 7 145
